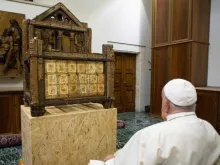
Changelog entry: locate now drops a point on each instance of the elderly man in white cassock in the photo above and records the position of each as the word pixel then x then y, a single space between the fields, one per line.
pixel 183 139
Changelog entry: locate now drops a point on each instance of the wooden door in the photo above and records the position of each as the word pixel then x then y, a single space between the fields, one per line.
pixel 10 115
pixel 181 61
pixel 161 74
pixel 181 20
pixel 161 22
pixel 199 64
pixel 201 20
pixel 7 115
pixel 218 122
pixel 219 107
pixel 125 69
pixel 207 106
pixel 18 100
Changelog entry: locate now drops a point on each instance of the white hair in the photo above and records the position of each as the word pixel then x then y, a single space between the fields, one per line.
pixel 184 108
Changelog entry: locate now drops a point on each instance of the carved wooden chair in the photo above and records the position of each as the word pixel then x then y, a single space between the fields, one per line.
pixel 59 67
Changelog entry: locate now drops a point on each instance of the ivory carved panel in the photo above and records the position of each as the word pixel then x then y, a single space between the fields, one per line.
pixel 65 79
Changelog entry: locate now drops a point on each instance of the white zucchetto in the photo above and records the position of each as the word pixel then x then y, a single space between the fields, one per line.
pixel 180 92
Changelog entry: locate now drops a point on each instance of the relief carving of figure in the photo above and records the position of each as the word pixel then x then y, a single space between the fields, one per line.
pixel 5 44
pixel 49 40
pixel 11 47
pixel 79 43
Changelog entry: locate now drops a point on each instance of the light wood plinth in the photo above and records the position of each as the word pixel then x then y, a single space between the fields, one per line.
pixel 68 135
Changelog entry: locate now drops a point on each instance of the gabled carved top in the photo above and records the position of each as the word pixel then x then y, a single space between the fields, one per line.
pixel 61 15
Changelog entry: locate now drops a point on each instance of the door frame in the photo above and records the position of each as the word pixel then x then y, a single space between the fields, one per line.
pixel 130 53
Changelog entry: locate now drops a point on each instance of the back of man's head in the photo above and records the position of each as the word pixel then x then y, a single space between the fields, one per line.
pixel 178 96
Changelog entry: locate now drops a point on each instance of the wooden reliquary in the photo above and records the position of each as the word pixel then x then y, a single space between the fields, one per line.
pixel 59 66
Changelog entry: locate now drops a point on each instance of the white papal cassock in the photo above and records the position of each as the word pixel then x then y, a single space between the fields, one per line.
pixel 183 139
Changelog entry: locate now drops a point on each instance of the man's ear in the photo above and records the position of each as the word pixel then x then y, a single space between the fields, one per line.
pixel 167 106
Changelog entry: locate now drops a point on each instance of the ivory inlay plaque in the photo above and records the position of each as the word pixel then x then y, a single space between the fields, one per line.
pixel 72 67
pixel 65 78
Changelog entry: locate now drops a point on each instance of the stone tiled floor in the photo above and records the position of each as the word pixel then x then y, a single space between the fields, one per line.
pixel 10 155
pixel 134 122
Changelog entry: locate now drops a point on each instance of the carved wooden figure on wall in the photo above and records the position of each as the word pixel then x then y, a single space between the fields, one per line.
pixel 59 66
pixel 10 47
pixel 5 44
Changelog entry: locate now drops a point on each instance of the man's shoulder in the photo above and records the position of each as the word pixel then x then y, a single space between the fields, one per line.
pixel 165 127
pixel 209 127
pixel 156 127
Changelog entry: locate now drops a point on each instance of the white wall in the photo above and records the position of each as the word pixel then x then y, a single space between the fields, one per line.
pixel 214 49
pixel 123 21
pixel 113 20
pixel 30 11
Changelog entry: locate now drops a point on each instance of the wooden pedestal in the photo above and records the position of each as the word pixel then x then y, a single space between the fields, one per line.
pixel 68 135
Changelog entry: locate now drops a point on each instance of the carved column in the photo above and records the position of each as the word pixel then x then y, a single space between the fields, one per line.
pixel 33 72
pixel 38 34
pixel 41 78
pixel 72 42
pixel 36 78
pixel 24 57
pixel 59 40
pixel 90 40
pixel 86 44
pixel 25 40
pixel 30 32
pixel 108 52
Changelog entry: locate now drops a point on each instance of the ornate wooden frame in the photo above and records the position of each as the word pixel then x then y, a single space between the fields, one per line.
pixel 59 19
